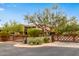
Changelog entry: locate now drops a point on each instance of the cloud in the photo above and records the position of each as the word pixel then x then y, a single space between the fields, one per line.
pixel 2 9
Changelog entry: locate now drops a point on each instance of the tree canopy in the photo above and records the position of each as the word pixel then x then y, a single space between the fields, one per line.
pixel 54 19
pixel 13 27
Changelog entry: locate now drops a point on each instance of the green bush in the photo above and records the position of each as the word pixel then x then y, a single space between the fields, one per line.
pixel 71 33
pixel 4 33
pixel 33 32
pixel 35 41
pixel 13 27
pixel 46 40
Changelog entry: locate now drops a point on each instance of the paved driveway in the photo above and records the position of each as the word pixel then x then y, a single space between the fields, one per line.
pixel 10 50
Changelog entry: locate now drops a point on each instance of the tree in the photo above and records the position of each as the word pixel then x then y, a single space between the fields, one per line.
pixel 6 27
pixel 71 26
pixel 47 20
pixel 13 27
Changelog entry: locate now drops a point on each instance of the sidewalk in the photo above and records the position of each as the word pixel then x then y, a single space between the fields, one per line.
pixel 54 44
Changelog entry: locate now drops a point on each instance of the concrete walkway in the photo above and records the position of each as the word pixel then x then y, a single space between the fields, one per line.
pixel 54 44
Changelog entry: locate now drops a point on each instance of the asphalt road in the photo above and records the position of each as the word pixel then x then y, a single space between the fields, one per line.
pixel 10 50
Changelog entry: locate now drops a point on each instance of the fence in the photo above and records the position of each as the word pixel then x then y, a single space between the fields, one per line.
pixel 66 38
pixel 17 38
pixel 13 38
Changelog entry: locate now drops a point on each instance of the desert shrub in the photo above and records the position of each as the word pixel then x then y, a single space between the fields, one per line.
pixel 46 40
pixel 77 32
pixel 4 33
pixel 35 41
pixel 71 33
pixel 33 32
pixel 13 27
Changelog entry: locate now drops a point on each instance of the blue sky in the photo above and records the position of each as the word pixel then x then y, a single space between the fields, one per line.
pixel 12 11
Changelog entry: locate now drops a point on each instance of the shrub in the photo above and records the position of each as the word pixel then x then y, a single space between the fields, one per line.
pixel 77 32
pixel 46 40
pixel 35 41
pixel 13 27
pixel 4 33
pixel 33 32
pixel 71 33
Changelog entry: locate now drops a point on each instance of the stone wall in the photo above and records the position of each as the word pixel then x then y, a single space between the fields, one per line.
pixel 13 38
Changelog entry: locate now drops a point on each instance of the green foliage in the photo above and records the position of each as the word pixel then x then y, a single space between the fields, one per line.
pixel 6 27
pixel 35 41
pixel 38 40
pixel 4 33
pixel 13 27
pixel 71 33
pixel 46 40
pixel 33 32
pixel 49 18
pixel 70 29
pixel 55 19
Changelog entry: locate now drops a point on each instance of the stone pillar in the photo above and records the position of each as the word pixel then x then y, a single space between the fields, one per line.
pixel 25 35
pixel 52 36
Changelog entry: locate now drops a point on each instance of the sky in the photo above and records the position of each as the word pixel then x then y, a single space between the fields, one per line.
pixel 16 11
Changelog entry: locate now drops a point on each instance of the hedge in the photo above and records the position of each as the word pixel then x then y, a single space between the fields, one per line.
pixel 34 32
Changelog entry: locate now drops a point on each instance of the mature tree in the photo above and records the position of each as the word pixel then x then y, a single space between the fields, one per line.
pixel 48 19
